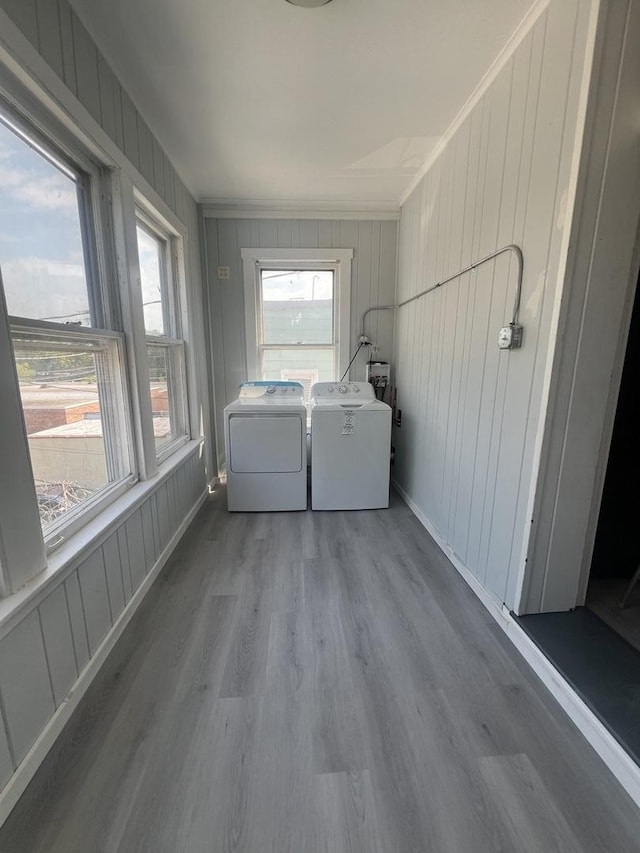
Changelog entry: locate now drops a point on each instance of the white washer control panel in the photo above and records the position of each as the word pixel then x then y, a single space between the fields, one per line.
pixel 271 390
pixel 323 391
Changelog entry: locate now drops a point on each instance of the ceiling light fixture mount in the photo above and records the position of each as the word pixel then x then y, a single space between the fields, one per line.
pixel 308 3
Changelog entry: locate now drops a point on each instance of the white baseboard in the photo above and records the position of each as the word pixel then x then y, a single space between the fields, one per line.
pixel 26 770
pixel 619 762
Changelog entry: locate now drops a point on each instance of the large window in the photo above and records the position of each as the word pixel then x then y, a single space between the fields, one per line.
pixel 165 348
pixel 297 314
pixel 68 359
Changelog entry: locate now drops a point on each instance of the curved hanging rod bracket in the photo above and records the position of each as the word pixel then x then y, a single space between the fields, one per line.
pixel 516 250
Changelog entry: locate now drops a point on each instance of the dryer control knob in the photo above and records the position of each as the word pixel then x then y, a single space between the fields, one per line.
pixel 342 389
pixel 330 388
pixel 355 388
pixel 271 389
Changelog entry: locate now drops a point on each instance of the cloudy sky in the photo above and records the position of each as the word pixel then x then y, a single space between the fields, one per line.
pixel 280 285
pixel 40 240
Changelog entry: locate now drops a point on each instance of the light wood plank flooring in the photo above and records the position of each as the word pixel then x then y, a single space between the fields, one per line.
pixel 311 682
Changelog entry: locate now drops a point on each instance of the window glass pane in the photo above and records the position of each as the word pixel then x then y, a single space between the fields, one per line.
pixel 297 306
pixel 150 252
pixel 164 428
pixel 302 365
pixel 41 247
pixel 62 387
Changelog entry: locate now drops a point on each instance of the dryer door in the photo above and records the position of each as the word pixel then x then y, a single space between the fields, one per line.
pixel 265 445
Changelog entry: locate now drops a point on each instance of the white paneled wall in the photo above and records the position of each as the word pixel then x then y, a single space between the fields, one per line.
pixel 471 414
pixel 373 277
pixel 43 655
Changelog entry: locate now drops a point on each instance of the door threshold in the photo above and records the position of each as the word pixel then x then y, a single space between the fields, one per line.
pixel 542 648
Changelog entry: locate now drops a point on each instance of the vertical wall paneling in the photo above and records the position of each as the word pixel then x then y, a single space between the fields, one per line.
pixel 169 183
pixel 158 167
pixel 49 38
pixel 76 614
pixel 145 148
pixel 113 569
pixel 465 452
pixel 164 523
pixel 135 541
pixel 86 68
pixel 58 643
pixel 130 127
pixel 107 85
pixel 24 684
pixel 95 599
pixel 6 764
pixel 68 50
pixel 148 533
pixel 541 309
pixel 23 13
pixel 232 303
pixel 125 563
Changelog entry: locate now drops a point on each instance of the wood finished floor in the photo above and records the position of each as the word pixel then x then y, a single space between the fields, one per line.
pixel 307 682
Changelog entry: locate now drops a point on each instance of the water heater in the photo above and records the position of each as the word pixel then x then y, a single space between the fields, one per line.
pixel 378 374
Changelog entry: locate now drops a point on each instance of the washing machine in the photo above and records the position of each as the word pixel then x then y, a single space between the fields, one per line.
pixel 265 432
pixel 350 447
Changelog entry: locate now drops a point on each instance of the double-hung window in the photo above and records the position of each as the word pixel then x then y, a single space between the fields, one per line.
pixel 68 357
pixel 297 314
pixel 164 345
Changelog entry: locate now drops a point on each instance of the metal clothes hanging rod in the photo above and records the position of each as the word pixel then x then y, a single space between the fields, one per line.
pixel 511 335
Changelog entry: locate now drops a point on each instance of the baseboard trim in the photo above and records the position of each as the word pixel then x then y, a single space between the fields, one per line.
pixel 619 762
pixel 26 770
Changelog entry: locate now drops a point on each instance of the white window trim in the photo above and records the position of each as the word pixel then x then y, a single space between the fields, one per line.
pixel 175 318
pixel 35 92
pixel 251 258
pixel 61 148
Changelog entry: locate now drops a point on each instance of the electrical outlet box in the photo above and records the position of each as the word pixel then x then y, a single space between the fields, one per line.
pixel 223 272
pixel 510 337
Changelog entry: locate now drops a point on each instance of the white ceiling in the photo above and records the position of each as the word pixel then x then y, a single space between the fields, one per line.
pixel 261 100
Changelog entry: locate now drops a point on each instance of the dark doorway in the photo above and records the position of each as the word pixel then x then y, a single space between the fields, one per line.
pixel 617 546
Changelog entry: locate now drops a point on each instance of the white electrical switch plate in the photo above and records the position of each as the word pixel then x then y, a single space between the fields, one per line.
pixel 223 272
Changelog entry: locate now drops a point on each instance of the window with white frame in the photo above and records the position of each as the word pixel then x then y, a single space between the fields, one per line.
pixel 68 357
pixel 297 313
pixel 164 345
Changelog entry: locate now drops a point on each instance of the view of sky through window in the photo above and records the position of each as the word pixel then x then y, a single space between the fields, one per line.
pixel 150 256
pixel 41 251
pixel 297 306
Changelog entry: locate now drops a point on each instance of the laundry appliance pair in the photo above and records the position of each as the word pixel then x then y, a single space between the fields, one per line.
pixel 266 446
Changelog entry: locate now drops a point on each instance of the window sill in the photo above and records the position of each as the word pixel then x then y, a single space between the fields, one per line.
pixel 68 555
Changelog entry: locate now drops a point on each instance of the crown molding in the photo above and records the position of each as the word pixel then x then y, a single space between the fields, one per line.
pixel 263 209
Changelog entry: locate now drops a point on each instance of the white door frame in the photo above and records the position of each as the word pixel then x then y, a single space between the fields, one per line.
pixel 594 324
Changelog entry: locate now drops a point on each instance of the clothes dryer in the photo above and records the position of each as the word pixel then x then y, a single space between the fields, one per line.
pixel 350 447
pixel 265 432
